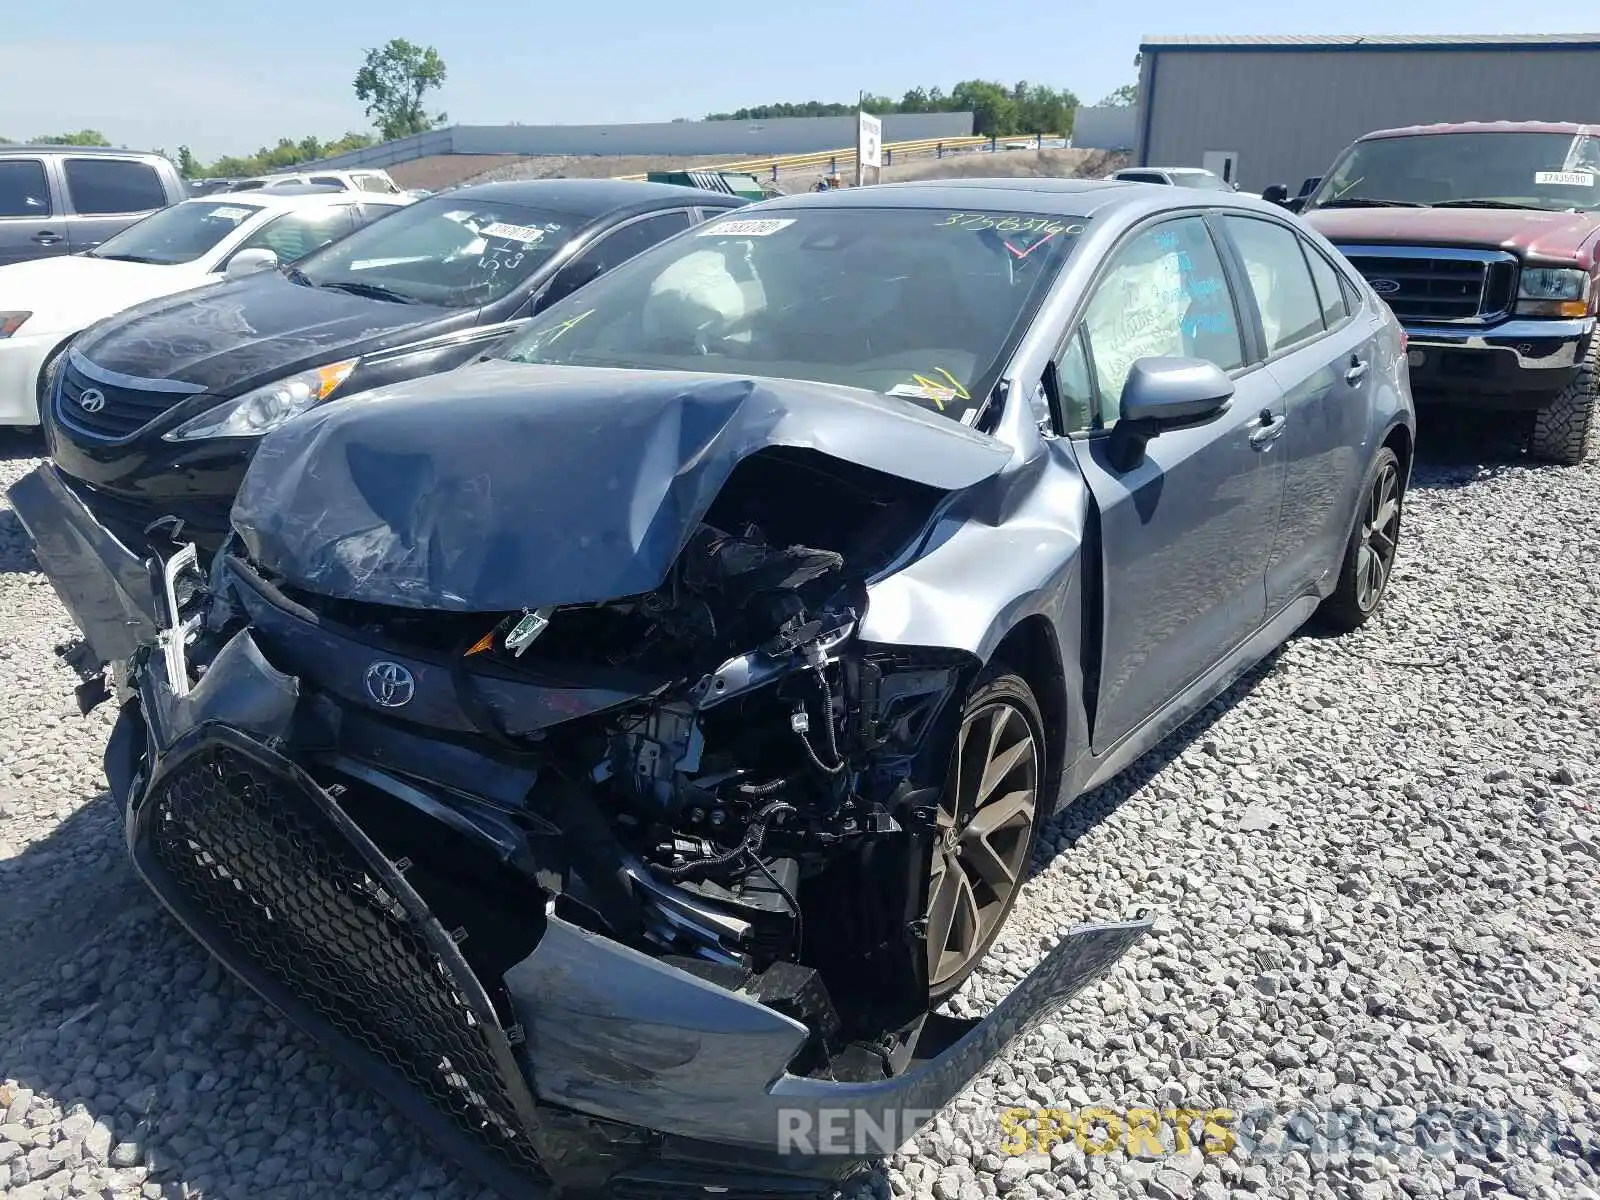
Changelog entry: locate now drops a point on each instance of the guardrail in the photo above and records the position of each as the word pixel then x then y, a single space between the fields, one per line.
pixel 835 160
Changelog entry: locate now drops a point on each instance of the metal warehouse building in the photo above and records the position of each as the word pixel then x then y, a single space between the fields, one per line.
pixel 1265 110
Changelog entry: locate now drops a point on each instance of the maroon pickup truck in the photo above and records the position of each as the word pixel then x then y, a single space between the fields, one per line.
pixel 1483 240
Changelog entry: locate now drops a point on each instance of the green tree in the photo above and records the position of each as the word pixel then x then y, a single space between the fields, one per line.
pixel 393 81
pixel 1125 96
pixel 84 137
pixel 188 165
pixel 288 153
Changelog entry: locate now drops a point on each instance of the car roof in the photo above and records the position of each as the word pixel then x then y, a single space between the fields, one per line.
pixel 76 151
pixel 592 197
pixel 1047 196
pixel 1566 127
pixel 1044 197
pixel 287 199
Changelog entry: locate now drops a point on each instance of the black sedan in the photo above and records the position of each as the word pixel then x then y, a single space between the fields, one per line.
pixel 156 412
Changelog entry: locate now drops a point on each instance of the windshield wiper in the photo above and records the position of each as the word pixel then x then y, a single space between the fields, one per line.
pixel 1490 204
pixel 1368 202
pixel 296 275
pixel 133 258
pixel 375 290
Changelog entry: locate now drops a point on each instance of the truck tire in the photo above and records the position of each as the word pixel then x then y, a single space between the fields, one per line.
pixel 1565 432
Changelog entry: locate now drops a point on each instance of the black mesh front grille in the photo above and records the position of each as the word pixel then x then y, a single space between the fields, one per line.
pixel 273 878
pixel 116 413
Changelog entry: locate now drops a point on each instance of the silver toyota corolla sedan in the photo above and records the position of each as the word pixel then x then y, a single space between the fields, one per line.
pixel 618 748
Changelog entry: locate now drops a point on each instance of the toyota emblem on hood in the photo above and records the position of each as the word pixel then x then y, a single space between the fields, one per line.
pixel 390 685
pixel 1386 287
pixel 91 400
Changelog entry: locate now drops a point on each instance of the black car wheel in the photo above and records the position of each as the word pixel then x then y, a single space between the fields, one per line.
pixel 1369 556
pixel 988 823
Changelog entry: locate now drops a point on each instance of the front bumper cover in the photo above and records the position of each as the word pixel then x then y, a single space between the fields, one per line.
pixel 599 1071
pixel 106 587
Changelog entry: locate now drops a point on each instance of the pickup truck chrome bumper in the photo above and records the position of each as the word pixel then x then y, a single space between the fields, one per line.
pixel 1533 357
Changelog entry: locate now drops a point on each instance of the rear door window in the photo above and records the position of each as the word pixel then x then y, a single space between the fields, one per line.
pixel 24 188
pixel 99 187
pixel 1280 279
pixel 1329 292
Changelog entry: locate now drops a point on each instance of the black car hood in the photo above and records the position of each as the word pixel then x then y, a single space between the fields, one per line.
pixel 230 332
pixel 501 485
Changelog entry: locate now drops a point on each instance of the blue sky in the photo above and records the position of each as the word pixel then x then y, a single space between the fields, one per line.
pixel 226 77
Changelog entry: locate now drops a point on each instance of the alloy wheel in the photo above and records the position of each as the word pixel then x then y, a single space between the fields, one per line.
pixel 985 828
pixel 1380 534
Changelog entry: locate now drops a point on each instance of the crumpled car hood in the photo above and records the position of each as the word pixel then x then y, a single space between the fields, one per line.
pixel 503 485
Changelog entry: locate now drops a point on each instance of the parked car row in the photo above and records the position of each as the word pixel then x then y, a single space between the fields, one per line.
pixel 44 304
pixel 601 662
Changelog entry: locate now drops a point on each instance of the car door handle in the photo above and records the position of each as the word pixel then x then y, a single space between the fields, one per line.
pixel 46 238
pixel 1269 430
pixel 1356 373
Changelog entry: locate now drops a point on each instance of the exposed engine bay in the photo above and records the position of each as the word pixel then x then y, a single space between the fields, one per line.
pixel 749 807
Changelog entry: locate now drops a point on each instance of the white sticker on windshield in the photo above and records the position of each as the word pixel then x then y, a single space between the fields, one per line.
pixel 1565 178
pixel 526 234
pixel 752 227
pixel 924 391
pixel 231 214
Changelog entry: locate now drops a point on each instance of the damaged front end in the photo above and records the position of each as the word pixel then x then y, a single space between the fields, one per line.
pixel 605 895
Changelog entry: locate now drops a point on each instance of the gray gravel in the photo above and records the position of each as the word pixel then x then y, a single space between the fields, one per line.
pixel 1375 863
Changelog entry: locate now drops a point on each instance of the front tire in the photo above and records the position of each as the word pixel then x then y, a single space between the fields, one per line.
pixel 989 818
pixel 1369 556
pixel 1565 432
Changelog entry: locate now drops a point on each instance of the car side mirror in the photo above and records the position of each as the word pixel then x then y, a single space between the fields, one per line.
pixel 251 262
pixel 1162 395
pixel 1276 193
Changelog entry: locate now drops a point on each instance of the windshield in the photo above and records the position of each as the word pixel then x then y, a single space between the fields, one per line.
pixel 922 304
pixel 456 253
pixel 1518 170
pixel 178 234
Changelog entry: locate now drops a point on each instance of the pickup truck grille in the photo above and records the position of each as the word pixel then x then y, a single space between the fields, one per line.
pixel 1437 284
pixel 117 411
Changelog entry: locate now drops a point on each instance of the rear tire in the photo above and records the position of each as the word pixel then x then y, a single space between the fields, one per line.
pixel 1565 432
pixel 989 819
pixel 1369 555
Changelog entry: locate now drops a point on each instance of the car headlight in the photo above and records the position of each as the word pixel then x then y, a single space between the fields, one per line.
pixel 264 409
pixel 10 322
pixel 1553 292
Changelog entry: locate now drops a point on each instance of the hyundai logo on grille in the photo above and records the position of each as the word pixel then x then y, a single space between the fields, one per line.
pixel 91 400
pixel 390 684
pixel 1386 287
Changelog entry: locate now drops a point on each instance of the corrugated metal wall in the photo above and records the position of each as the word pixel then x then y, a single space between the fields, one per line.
pixel 1287 113
pixel 1105 128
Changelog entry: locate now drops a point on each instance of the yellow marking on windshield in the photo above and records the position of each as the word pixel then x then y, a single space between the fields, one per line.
pixel 568 324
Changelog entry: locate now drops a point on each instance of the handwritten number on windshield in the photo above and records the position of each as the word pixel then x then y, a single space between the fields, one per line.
pixel 1049 226
pixel 505 256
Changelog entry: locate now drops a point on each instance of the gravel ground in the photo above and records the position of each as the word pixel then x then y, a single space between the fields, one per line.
pixel 1375 865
